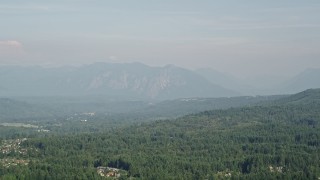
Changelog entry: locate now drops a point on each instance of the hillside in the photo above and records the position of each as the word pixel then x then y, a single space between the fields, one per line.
pixel 18 110
pixel 116 81
pixel 305 80
pixel 269 142
pixel 304 97
pixel 226 81
pixel 61 106
pixel 184 106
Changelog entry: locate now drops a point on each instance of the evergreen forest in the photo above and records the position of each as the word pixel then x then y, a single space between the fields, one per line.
pixel 277 139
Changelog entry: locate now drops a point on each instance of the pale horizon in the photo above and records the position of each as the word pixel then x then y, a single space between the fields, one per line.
pixel 244 39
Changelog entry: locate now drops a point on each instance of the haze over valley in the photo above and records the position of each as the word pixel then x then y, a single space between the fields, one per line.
pixel 165 89
pixel 136 81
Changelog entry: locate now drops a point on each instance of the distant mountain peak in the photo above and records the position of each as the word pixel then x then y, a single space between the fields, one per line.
pixel 170 66
pixel 110 79
pixel 308 79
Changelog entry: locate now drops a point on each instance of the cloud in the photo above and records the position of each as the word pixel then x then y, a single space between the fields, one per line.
pixel 10 44
pixel 113 58
pixel 11 49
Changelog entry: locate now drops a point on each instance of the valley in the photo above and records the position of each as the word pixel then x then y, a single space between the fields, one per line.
pixel 274 137
pixel 159 90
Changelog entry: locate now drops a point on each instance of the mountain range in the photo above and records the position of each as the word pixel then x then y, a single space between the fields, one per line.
pixel 308 79
pixel 132 80
pixel 137 81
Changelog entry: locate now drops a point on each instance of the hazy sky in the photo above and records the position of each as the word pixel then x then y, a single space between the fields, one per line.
pixel 242 37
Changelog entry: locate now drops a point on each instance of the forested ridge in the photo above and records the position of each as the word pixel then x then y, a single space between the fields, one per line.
pixel 280 140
